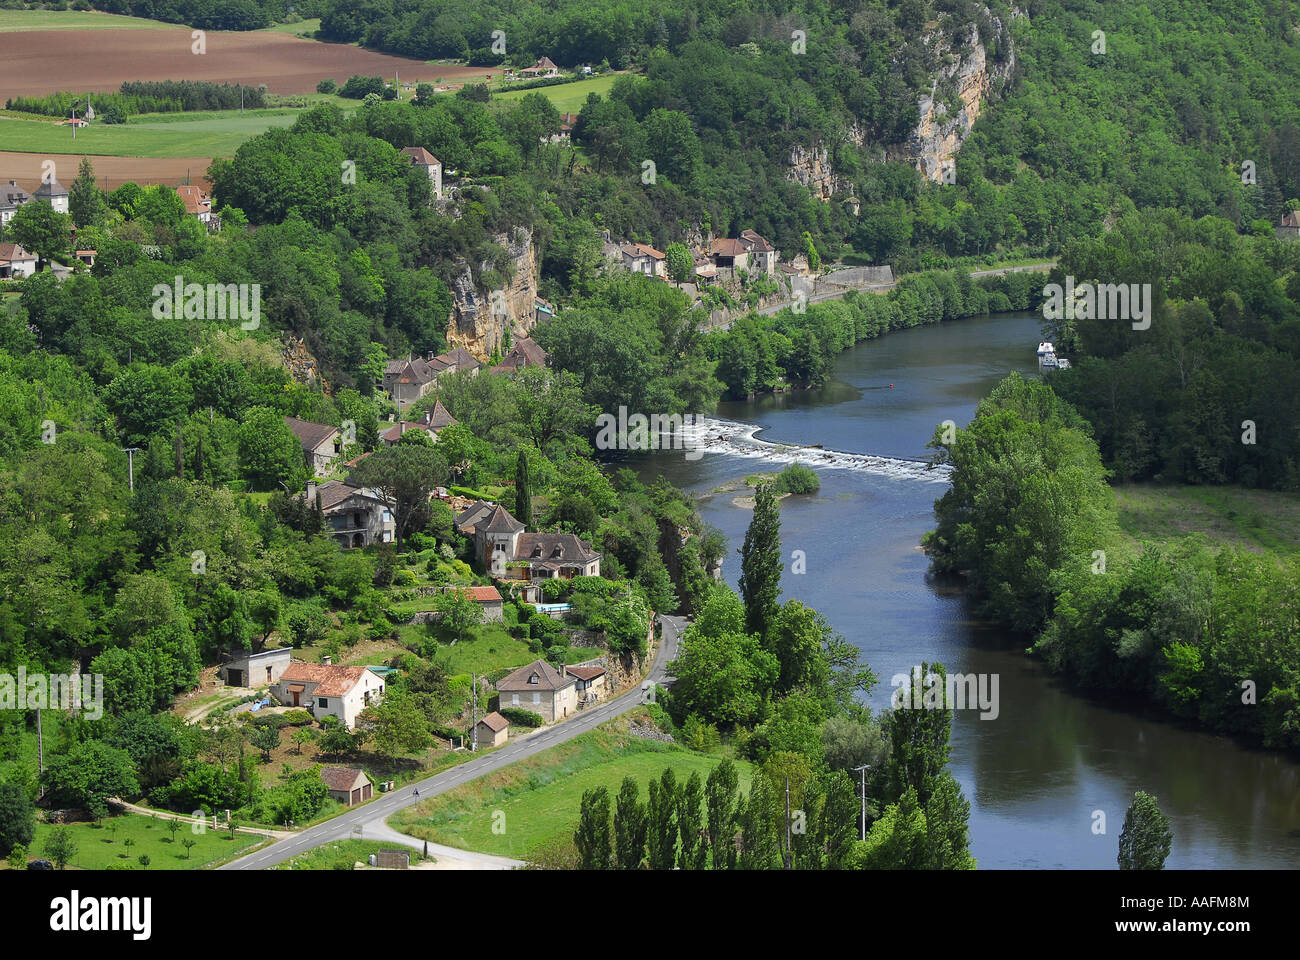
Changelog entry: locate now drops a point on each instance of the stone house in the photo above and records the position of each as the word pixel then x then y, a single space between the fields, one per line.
pixel 762 255
pixel 592 683
pixel 493 730
pixel 526 352
pixel 12 197
pixel 541 689
pixel 15 262
pixel 53 193
pixel 320 443
pixel 354 516
pixel 544 67
pixel 504 550
pixel 729 254
pixel 1289 229
pixel 488 600
pixel 406 381
pixel 433 420
pixel 347 785
pixel 422 159
pixel 199 205
pixel 247 669
pixel 329 691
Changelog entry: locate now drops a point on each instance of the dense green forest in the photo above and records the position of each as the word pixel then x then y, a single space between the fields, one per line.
pixel 1206 634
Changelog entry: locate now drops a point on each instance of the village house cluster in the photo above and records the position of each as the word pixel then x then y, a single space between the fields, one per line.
pixel 716 260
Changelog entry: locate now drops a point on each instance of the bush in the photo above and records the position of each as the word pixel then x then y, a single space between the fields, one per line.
pixel 798 479
pixel 327 86
pixel 522 718
pixel 297 718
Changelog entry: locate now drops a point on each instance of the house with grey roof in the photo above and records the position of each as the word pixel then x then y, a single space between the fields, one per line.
pixel 320 443
pixel 541 689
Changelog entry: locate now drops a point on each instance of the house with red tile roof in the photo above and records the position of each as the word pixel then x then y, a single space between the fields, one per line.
pixel 544 67
pixel 423 160
pixel 433 421
pixel 592 683
pixel 526 352
pixel 15 262
pixel 329 691
pixel 492 731
pixel 199 205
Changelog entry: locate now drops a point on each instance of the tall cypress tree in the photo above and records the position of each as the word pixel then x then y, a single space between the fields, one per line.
pixel 760 562
pixel 629 826
pixel 523 492
pixel 592 837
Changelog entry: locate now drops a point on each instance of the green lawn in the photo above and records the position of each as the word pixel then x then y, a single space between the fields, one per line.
pixel 568 97
pixel 1250 519
pixel 344 852
pixel 490 649
pixel 12 21
pixel 216 133
pixel 99 847
pixel 304 28
pixel 540 795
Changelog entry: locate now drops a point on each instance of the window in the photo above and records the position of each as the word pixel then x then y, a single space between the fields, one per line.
pixel 532 678
pixel 514 700
pixel 537 698
pixel 322 702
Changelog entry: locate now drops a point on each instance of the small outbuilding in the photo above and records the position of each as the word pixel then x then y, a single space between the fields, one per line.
pixel 493 730
pixel 348 785
pixel 262 669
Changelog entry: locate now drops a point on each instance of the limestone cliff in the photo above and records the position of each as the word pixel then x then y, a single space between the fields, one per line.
pixel 301 364
pixel 966 76
pixel 967 71
pixel 479 316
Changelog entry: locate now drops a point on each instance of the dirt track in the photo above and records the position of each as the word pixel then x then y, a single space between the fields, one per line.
pixel 26 169
pixel 44 61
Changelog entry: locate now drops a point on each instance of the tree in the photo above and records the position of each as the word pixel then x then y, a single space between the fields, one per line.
pixel 918 734
pixel 301 737
pixel 681 266
pixel 41 230
pixel 17 858
pixel 17 817
pixel 405 476
pixel 693 853
pixel 722 796
pixel 269 453
pixel 760 563
pixel 1146 838
pixel 523 491
pixel 188 843
pixel 266 737
pixel 593 835
pixel 661 822
pixel 88 774
pixel 60 846
pixel 397 726
pixel 629 827
pixel 85 201
pixel 459 612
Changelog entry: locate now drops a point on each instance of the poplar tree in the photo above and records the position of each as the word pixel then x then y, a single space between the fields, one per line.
pixel 760 562
pixel 523 492
pixel 592 837
pixel 629 827
pixel 1146 838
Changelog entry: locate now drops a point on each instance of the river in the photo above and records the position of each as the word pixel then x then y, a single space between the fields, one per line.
pixel 1037 774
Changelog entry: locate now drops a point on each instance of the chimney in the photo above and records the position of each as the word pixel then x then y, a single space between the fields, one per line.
pixel 327 660
pixel 311 492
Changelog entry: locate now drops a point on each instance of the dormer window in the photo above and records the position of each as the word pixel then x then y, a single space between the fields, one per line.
pixel 532 678
pixel 558 551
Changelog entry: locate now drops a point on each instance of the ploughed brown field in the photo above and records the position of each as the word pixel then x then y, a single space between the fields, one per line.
pixel 110 172
pixel 44 61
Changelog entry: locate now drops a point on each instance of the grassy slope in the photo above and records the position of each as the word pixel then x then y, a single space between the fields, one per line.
pixel 540 795
pixel 568 97
pixel 98 847
pixel 1250 519
pixel 490 649
pixel 345 851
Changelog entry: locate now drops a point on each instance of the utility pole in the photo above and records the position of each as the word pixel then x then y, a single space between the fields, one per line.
pixel 130 465
pixel 40 745
pixel 864 768
pixel 74 123
pixel 789 853
pixel 473 743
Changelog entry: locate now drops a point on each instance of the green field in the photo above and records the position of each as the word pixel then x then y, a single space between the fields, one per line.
pixel 104 845
pixel 303 28
pixel 568 97
pixel 490 649
pixel 1249 519
pixel 344 852
pixel 216 133
pixel 540 795
pixel 13 21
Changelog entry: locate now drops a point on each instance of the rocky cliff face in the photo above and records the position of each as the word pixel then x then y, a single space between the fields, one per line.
pixel 965 69
pixel 301 364
pixel 479 316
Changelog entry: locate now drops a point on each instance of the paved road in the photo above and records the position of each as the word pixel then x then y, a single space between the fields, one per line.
pixel 374 814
